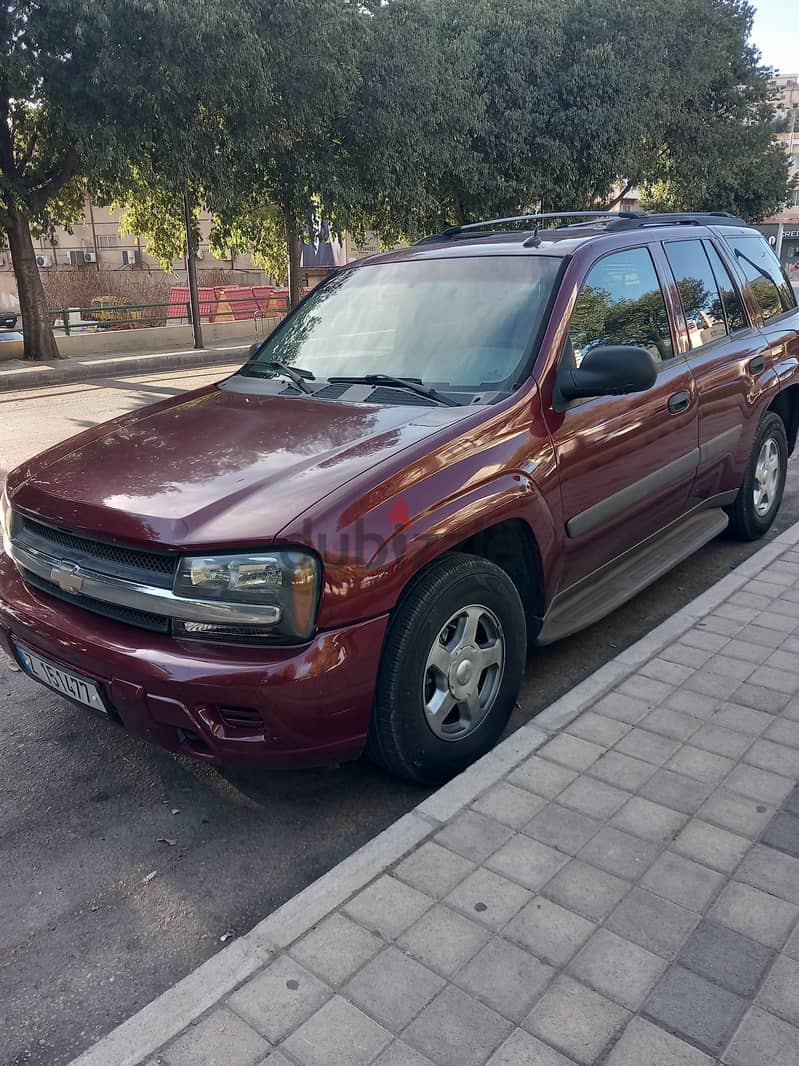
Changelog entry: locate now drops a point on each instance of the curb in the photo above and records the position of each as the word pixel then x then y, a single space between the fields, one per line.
pixel 69 370
pixel 162 1019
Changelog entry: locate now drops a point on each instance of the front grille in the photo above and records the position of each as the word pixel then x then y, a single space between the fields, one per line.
pixel 156 623
pixel 129 564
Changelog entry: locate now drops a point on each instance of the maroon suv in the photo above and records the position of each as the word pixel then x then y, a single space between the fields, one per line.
pixel 445 454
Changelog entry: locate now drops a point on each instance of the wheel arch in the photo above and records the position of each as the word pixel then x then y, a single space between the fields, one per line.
pixel 511 545
pixel 786 405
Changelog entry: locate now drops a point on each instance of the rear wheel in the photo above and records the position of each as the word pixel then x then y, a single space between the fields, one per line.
pixel 758 501
pixel 450 672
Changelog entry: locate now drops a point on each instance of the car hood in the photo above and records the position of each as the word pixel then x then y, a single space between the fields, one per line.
pixel 214 467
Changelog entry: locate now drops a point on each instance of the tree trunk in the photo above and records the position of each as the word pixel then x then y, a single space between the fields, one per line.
pixel 39 342
pixel 295 263
pixel 460 211
pixel 618 199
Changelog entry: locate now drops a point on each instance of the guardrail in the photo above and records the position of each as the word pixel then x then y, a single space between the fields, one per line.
pixel 132 316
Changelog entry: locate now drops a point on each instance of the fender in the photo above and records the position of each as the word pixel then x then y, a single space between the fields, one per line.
pixel 379 581
pixel 373 545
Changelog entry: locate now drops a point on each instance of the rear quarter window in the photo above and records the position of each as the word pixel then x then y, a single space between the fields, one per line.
pixel 765 275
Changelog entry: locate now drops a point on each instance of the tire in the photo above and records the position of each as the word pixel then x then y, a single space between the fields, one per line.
pixel 760 495
pixel 428 725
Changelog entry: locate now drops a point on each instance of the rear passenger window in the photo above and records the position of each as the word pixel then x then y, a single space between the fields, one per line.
pixel 765 275
pixel 736 316
pixel 699 293
pixel 621 303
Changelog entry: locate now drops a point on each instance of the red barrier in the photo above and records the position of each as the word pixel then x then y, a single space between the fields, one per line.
pixel 179 300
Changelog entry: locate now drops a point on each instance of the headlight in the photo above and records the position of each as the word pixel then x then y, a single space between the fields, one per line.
pixel 285 583
pixel 5 520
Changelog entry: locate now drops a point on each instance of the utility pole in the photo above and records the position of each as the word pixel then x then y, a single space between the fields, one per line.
pixel 191 272
pixel 94 232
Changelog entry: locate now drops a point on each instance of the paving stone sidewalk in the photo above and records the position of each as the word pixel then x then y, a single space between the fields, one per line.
pixel 628 895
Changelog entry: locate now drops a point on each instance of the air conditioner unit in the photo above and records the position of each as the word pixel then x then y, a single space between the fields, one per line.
pixel 43 261
pixel 128 257
pixel 89 257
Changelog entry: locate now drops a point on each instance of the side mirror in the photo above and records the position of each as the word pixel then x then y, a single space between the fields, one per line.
pixel 253 350
pixel 613 370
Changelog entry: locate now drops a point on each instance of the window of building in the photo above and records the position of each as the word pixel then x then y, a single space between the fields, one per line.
pixel 107 240
pixel 766 278
pixel 621 302
pixel 736 316
pixel 699 293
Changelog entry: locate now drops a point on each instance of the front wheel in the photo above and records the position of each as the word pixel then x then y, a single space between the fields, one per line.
pixel 450 672
pixel 759 498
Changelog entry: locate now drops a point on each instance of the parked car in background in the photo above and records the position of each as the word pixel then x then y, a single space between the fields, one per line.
pixel 444 455
pixel 8 320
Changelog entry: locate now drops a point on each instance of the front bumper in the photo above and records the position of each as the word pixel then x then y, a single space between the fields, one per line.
pixel 271 706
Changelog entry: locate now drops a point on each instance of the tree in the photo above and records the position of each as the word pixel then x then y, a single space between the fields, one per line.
pixel 713 138
pixel 89 86
pixel 285 152
pixel 272 154
pixel 404 141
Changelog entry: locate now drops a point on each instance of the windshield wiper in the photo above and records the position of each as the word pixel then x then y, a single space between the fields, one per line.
pixel 411 384
pixel 296 374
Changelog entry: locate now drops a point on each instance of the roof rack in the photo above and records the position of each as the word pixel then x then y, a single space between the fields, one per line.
pixel 481 229
pixel 535 218
pixel 677 218
pixel 612 220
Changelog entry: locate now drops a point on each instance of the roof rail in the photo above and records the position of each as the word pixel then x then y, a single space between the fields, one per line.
pixel 612 220
pixel 677 218
pixel 480 229
pixel 470 227
pixel 535 218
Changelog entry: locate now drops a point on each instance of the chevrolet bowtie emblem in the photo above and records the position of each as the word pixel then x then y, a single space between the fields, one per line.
pixel 68 578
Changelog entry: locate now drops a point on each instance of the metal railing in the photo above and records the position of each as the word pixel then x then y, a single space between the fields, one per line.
pixel 132 316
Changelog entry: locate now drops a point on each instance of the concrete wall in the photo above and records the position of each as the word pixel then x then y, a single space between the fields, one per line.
pixel 10 346
pixel 155 339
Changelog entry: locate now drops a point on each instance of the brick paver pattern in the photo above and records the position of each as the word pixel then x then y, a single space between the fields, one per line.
pixel 627 896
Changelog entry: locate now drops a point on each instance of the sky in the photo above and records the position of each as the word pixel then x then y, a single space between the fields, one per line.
pixel 776 34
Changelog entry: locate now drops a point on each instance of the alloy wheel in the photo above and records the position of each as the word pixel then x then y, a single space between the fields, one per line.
pixel 463 672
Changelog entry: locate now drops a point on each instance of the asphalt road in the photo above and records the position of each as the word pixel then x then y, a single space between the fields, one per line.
pixel 86 938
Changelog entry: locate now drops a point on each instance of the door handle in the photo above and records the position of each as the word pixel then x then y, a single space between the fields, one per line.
pixel 680 401
pixel 757 365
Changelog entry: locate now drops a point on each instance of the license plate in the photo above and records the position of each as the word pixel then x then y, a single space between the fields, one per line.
pixel 62 681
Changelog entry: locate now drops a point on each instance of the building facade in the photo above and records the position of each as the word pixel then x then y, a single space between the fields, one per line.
pixel 96 244
pixel 782 229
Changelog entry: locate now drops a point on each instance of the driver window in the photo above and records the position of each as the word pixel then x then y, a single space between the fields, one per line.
pixel 621 302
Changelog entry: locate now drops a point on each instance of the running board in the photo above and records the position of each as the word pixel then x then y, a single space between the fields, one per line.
pixel 618 581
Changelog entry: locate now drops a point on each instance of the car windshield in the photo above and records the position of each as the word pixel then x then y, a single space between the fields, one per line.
pixel 462 322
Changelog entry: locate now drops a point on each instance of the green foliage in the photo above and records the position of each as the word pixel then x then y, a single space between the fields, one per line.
pixel 281 152
pixel 717 148
pixel 492 107
pixel 157 214
pixel 257 227
pixel 86 86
